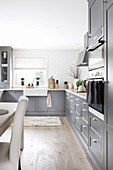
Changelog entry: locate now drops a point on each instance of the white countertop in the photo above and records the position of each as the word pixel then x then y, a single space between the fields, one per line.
pixel 72 91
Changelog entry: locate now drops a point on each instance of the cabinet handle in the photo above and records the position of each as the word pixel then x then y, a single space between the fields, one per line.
pixel 77 104
pixel 94 119
pixel 84 103
pixel 77 118
pixel 84 110
pixel 94 140
pixel 77 99
pixel 84 126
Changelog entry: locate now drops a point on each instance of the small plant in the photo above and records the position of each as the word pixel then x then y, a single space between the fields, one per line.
pixel 79 82
pixel 37 78
pixel 22 79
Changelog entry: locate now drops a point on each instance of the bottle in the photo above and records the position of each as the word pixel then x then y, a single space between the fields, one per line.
pixel 57 85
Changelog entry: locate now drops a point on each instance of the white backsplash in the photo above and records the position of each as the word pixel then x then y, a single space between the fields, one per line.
pixel 58 62
pixel 83 73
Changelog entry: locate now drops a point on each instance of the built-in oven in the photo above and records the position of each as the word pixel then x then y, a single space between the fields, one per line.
pixel 96 77
pixel 95 88
pixel 95 92
pixel 96 54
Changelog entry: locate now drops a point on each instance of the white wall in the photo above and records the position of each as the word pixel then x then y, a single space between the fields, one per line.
pixel 83 73
pixel 58 62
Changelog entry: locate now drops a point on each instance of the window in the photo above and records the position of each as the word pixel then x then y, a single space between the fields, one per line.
pixel 29 68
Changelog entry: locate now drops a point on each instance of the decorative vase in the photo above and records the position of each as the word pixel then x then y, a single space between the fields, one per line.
pixel 22 82
pixel 75 86
pixel 37 83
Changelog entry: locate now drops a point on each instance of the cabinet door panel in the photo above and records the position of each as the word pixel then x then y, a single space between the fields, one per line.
pixel 95 16
pixel 57 101
pixel 95 146
pixel 109 148
pixel 12 96
pixel 110 63
pixel 31 105
pixel 41 104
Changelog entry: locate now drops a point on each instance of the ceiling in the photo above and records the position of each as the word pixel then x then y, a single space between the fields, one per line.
pixel 43 24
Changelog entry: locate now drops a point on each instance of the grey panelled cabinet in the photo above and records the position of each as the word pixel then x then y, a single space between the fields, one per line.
pixel 96 138
pixel 109 86
pixel 76 110
pixel 95 23
pixel 57 98
pixel 31 105
pixel 11 95
pixel 38 104
pixel 6 56
pixel 41 104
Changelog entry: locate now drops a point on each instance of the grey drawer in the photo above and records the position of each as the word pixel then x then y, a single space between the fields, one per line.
pixel 96 124
pixel 72 104
pixel 85 114
pixel 78 122
pixel 77 100
pixel 72 115
pixel 95 146
pixel 78 109
pixel 84 130
pixel 84 104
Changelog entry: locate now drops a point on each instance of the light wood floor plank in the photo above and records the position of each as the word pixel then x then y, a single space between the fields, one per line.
pixel 51 148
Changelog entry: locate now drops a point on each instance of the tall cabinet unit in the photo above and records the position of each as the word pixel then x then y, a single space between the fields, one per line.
pixel 6 55
pixel 109 85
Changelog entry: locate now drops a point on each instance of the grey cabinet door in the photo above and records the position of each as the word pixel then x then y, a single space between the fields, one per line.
pixel 1 95
pixel 57 101
pixel 41 104
pixel 110 63
pixel 109 148
pixel 95 16
pixel 109 86
pixel 31 105
pixel 11 96
pixel 6 55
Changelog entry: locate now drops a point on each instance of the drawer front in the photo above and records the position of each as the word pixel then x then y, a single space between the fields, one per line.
pixel 77 100
pixel 78 109
pixel 84 130
pixel 85 114
pixel 72 104
pixel 95 146
pixel 78 122
pixel 96 124
pixel 84 105
pixel 72 115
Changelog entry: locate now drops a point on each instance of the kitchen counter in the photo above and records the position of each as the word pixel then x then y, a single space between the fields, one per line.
pixel 73 91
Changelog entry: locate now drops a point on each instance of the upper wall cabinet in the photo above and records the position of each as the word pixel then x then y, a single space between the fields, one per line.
pixel 96 10
pixel 5 67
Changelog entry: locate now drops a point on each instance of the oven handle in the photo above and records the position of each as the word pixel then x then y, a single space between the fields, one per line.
pixel 97 44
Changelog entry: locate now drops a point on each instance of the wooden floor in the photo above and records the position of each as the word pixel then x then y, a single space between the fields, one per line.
pixel 51 148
